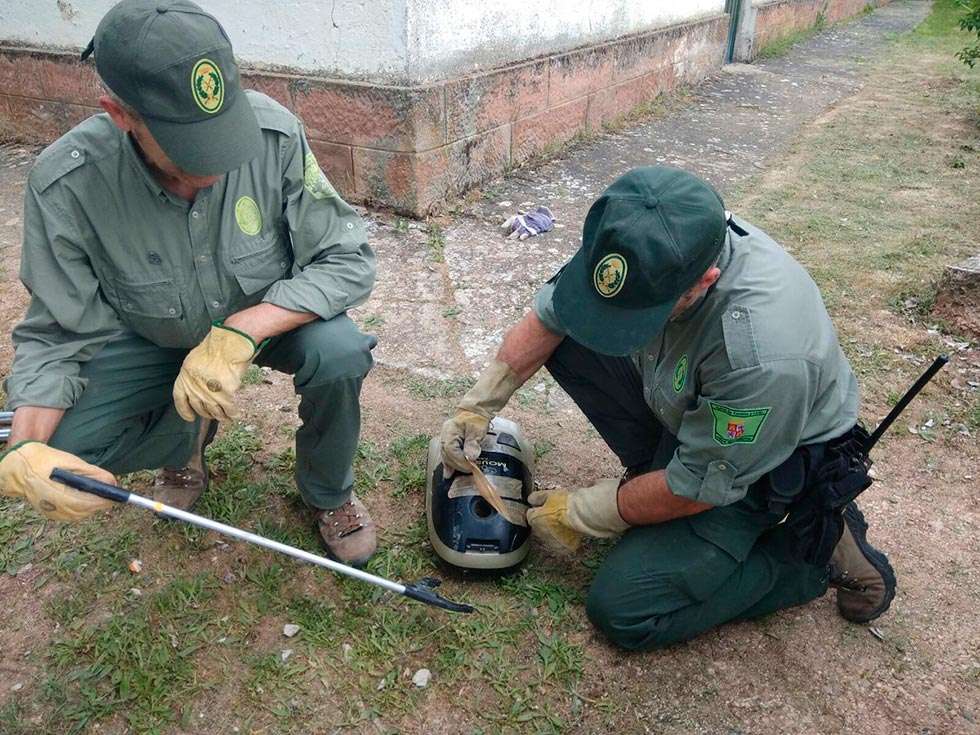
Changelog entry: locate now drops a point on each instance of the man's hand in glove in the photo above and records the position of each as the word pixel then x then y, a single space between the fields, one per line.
pixel 560 518
pixel 212 373
pixel 461 435
pixel 25 471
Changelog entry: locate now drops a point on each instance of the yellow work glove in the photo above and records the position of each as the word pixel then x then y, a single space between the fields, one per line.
pixel 211 374
pixel 461 435
pixel 560 518
pixel 25 472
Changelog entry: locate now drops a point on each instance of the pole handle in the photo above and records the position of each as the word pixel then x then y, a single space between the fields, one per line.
pixel 88 485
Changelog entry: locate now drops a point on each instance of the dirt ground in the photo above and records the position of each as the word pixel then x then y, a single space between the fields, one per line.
pixel 874 187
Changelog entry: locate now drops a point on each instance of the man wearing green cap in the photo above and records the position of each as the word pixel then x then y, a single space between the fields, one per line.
pixel 703 355
pixel 169 244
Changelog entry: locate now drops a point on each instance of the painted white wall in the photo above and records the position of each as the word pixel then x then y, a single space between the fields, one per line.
pixel 394 41
pixel 361 39
pixel 453 37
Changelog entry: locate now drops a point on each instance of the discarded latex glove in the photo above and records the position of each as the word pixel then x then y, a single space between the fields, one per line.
pixel 523 225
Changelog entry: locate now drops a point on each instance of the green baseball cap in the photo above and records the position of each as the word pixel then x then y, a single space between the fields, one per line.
pixel 173 63
pixel 650 236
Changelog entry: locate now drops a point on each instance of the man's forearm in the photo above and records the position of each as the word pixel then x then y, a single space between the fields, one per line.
pixel 265 320
pixel 527 346
pixel 647 499
pixel 34 423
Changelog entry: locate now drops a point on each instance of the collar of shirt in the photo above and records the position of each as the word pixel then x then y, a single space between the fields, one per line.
pixel 132 154
pixel 724 258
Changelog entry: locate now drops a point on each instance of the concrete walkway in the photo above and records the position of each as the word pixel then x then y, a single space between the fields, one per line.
pixel 442 319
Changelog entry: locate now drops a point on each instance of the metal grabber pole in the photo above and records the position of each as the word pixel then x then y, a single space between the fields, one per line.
pixel 6 418
pixel 423 591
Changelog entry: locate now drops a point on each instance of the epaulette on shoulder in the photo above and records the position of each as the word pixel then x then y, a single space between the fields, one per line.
pixel 270 114
pixel 54 162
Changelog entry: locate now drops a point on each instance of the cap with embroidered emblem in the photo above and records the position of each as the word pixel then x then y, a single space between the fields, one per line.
pixel 172 62
pixel 649 238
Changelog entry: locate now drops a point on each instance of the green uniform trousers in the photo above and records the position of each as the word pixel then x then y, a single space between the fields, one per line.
pixel 125 419
pixel 669 582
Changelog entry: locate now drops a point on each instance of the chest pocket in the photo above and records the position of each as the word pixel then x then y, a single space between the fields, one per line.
pixel 258 262
pixel 152 310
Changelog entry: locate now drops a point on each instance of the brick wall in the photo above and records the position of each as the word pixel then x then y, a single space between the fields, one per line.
pixel 777 19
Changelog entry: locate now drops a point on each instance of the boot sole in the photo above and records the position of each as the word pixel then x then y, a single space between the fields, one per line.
pixel 859 528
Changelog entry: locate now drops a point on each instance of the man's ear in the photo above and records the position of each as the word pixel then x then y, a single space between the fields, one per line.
pixel 710 276
pixel 122 119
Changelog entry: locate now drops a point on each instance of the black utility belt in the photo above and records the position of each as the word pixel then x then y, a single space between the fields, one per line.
pixel 814 485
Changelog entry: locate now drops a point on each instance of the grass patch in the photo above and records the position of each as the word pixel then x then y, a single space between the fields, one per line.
pixel 539 591
pixel 370 467
pixel 19 529
pixel 253 375
pixel 138 664
pixel 781 46
pixel 269 675
pixel 435 244
pixel 428 389
pixel 372 321
pixel 233 494
pixel 410 453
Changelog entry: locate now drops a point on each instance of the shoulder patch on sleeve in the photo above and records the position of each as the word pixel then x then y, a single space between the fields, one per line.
pixel 315 180
pixel 270 114
pixel 55 163
pixel 737 425
pixel 739 336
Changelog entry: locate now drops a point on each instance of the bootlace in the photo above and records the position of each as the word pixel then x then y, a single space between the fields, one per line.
pixel 842 578
pixel 342 521
pixel 179 477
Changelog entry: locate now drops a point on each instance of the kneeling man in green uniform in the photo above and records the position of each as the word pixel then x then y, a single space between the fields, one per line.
pixel 703 355
pixel 170 243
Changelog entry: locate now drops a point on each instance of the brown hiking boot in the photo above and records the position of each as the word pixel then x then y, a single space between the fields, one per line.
pixel 181 487
pixel 864 579
pixel 348 532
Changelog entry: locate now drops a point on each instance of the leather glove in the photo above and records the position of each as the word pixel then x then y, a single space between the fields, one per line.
pixel 25 472
pixel 211 374
pixel 461 435
pixel 560 518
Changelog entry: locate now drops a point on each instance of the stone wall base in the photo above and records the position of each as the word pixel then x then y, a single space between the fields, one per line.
pixel 778 19
pixel 412 148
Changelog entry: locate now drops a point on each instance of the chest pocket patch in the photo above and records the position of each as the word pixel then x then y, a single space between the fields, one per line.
pixel 739 337
pixel 152 310
pixel 259 262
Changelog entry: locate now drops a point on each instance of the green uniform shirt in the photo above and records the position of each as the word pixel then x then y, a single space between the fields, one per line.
pixel 108 249
pixel 746 375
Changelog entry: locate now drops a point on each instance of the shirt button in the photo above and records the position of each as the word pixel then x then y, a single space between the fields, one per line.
pixel 194 214
pixel 203 258
pixel 171 311
pixel 350 225
pixel 75 154
pixel 215 304
pixel 736 315
pixel 282 263
pixel 722 467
